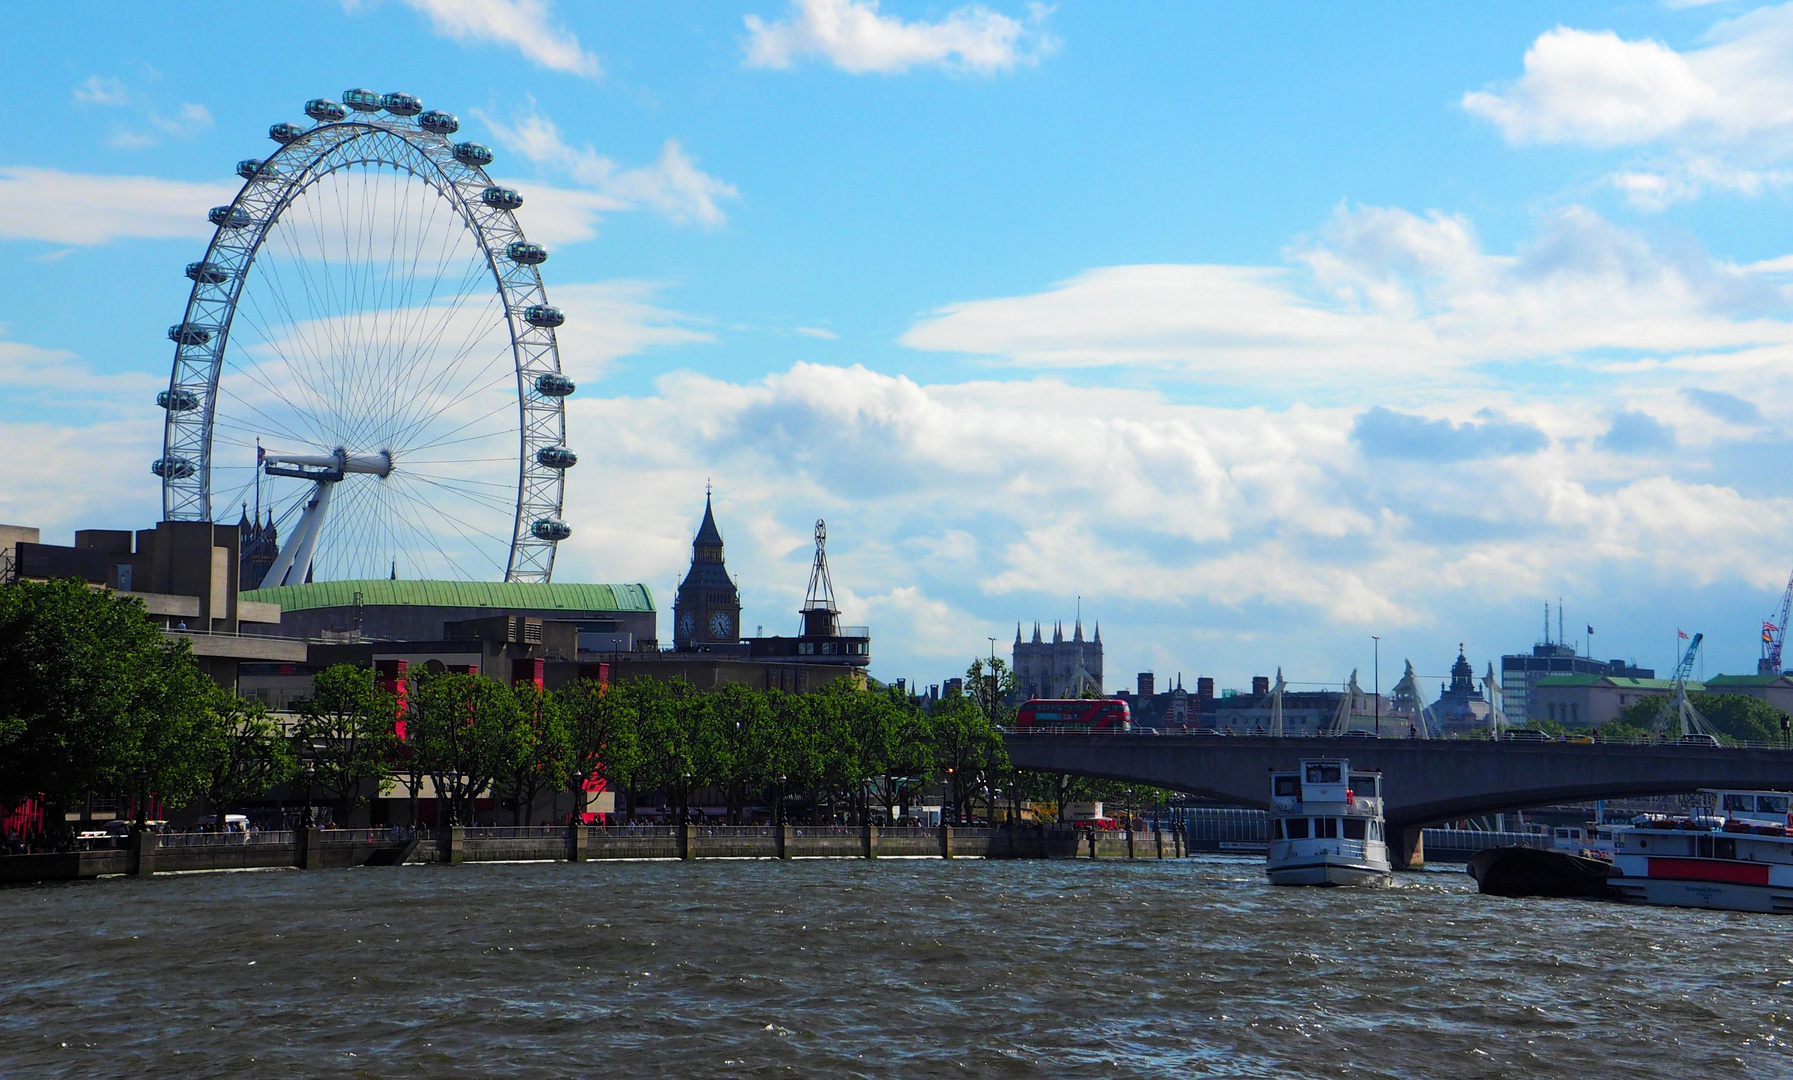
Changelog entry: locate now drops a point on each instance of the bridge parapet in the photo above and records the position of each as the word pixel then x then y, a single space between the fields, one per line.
pixel 1424 780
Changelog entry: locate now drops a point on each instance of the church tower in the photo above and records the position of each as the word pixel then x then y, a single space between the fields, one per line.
pixel 707 610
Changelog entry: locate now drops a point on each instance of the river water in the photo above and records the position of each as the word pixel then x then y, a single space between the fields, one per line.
pixel 894 968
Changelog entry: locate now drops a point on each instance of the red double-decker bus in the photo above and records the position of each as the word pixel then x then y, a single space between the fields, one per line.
pixel 1074 714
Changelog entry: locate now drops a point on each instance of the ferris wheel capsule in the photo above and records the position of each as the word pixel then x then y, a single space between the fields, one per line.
pixel 248 167
pixel 555 385
pixel 401 104
pixel 189 334
pixel 526 253
pixel 367 101
pixel 544 316
pixel 556 457
pixel 437 122
pixel 501 198
pixel 178 401
pixel 325 111
pixel 550 529
pixel 285 133
pixel 174 468
pixel 472 153
pixel 207 274
pixel 229 217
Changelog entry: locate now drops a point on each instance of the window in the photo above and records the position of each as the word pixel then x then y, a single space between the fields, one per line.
pixel 1325 772
pixel 1326 828
pixel 1276 832
pixel 1354 829
pixel 1365 786
pixel 1771 804
pixel 1287 786
pixel 1724 848
pixel 1297 827
pixel 1740 802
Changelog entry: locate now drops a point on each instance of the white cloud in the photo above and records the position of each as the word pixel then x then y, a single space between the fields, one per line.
pixel 102 90
pixel 855 37
pixel 611 319
pixel 817 332
pixel 955 509
pixel 1384 296
pixel 672 186
pixel 525 25
pixel 1722 113
pixel 85 208
pixel 107 91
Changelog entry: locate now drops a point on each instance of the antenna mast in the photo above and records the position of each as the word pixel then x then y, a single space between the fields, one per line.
pixel 821 615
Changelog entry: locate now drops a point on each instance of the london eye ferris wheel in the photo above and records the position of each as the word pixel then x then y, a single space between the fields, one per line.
pixel 369 357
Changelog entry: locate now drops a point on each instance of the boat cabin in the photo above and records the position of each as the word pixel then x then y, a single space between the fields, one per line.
pixel 1325 800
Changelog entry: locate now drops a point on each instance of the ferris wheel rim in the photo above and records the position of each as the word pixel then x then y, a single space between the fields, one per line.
pixel 305 158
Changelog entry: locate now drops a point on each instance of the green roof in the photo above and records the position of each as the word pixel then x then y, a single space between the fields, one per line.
pixel 1746 680
pixel 500 595
pixel 1619 681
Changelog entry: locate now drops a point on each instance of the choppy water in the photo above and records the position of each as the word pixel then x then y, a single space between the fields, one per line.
pixel 889 969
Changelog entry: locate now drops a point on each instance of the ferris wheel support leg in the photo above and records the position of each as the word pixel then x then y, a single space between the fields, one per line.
pixel 295 554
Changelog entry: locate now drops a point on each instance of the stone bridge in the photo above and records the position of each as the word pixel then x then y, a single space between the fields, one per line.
pixel 1423 780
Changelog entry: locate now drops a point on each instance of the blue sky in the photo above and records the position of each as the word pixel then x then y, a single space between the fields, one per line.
pixel 1262 328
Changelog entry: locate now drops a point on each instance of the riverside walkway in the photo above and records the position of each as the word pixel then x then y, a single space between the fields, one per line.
pixel 310 849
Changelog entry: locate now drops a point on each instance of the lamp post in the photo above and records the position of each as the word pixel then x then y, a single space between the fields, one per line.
pixel 309 768
pixel 779 816
pixel 578 815
pixel 952 795
pixel 1378 668
pixel 685 799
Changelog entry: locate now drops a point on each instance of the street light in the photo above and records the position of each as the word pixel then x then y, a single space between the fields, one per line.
pixel 578 815
pixel 685 800
pixel 1378 663
pixel 309 768
pixel 779 816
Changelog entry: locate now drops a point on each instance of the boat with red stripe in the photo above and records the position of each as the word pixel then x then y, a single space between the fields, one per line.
pixel 1738 857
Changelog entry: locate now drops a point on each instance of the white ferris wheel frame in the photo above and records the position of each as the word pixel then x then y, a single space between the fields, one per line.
pixel 201 338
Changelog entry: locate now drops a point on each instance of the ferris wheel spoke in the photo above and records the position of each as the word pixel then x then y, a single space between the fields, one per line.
pixel 475 333
pixel 420 426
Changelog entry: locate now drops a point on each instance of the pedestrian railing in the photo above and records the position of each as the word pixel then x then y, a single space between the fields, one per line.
pixel 170 841
pixel 513 832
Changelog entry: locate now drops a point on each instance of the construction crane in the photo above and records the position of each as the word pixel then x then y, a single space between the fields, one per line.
pixel 1773 633
pixel 1691 721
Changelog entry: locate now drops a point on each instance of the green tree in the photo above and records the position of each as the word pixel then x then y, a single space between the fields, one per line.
pixel 544 760
pixel 739 745
pixel 663 711
pixel 966 749
pixel 250 753
pixel 170 731
pixel 602 728
pixel 81 674
pixel 348 731
pixel 466 731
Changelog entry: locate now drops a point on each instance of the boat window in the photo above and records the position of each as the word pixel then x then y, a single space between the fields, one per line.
pixel 1297 827
pixel 1705 847
pixel 1771 804
pixel 1324 772
pixel 1724 848
pixel 1746 803
pixel 1326 828
pixel 1276 829
pixel 1365 786
pixel 1354 829
pixel 1287 785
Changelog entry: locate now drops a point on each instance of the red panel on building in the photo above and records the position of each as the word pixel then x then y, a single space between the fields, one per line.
pixel 527 672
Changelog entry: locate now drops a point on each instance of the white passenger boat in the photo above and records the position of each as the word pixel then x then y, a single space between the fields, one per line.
pixel 1738 857
pixel 1326 826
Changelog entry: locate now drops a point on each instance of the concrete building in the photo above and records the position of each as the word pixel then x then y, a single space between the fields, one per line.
pixel 186 576
pixel 1057 668
pixel 1519 674
pixel 1592 700
pixel 1776 690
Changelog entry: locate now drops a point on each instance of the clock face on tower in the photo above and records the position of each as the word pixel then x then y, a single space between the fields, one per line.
pixel 687 626
pixel 721 626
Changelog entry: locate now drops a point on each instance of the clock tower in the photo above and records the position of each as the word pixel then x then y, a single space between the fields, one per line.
pixel 707 610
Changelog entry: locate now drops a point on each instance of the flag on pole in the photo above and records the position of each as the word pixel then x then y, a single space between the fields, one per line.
pixel 1682 634
pixel 1590 629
